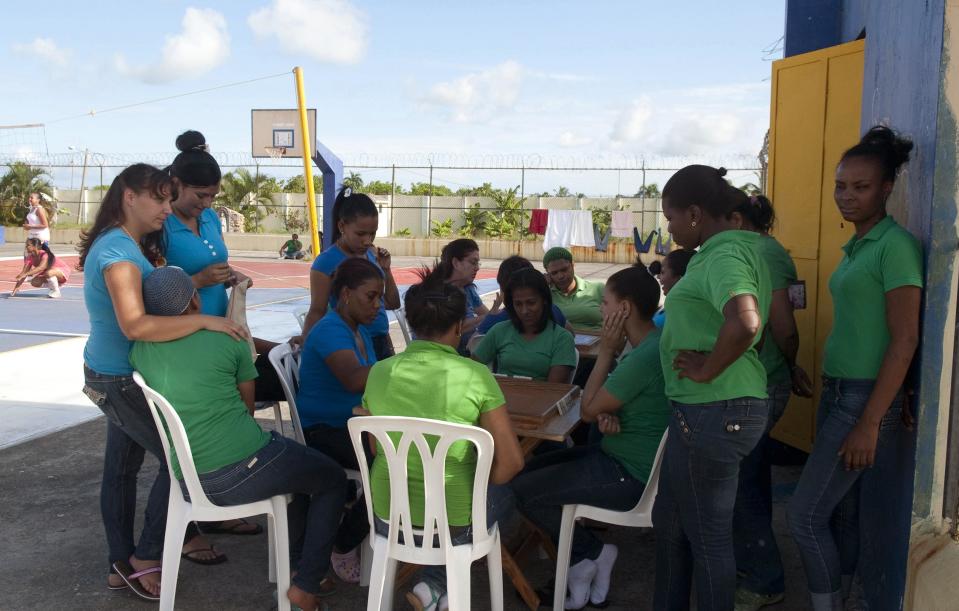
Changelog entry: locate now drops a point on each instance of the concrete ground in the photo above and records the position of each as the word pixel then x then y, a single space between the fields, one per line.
pixel 54 554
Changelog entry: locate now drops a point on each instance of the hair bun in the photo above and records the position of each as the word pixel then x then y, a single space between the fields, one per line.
pixel 189 140
pixel 721 171
pixel 884 137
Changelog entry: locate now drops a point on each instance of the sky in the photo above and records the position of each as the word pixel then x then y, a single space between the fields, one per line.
pixel 541 84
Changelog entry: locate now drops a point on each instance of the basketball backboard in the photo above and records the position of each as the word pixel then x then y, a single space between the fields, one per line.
pixel 276 132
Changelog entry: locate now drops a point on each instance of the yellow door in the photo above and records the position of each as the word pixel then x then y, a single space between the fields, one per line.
pixel 816 101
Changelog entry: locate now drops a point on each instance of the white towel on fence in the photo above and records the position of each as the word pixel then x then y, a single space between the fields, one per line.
pixel 559 229
pixel 622 224
pixel 581 233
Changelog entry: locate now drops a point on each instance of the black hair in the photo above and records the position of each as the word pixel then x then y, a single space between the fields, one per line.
pixel 39 244
pixel 655 268
pixel 678 260
pixel 349 206
pixel 353 272
pixel 509 266
pixel 457 249
pixel 703 186
pixel 758 212
pixel 885 146
pixel 140 178
pixel 194 166
pixel 638 286
pixel 531 279
pixel 433 306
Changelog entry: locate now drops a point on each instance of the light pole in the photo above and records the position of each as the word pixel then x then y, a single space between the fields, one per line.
pixel 82 212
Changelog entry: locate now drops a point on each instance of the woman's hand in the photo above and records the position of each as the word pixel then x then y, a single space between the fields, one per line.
pixel 217 273
pixel 497 303
pixel 608 424
pixel 859 448
pixel 613 338
pixel 225 325
pixel 802 385
pixel 692 365
pixel 237 278
pixel 383 258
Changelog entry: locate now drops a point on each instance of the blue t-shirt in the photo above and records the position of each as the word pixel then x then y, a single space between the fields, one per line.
pixel 194 253
pixel 322 399
pixel 492 319
pixel 327 264
pixel 659 318
pixel 108 350
pixel 473 300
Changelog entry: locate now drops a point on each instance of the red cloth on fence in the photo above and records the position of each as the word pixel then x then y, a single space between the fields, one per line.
pixel 537 221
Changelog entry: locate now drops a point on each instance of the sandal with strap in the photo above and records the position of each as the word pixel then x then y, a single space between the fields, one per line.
pixel 132 579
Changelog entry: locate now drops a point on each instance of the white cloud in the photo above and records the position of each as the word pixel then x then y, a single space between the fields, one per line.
pixel 478 96
pixel 332 31
pixel 202 44
pixel 630 126
pixel 45 49
pixel 569 139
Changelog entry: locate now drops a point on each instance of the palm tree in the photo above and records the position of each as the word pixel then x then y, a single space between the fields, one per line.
pixel 249 195
pixel 354 181
pixel 648 191
pixel 16 185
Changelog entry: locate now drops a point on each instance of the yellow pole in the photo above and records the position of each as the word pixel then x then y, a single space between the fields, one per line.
pixel 307 160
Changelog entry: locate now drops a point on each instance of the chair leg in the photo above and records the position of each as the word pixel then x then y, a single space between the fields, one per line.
pixel 366 561
pixel 271 543
pixel 278 417
pixel 494 564
pixel 458 577
pixel 381 577
pixel 563 551
pixel 280 543
pixel 177 519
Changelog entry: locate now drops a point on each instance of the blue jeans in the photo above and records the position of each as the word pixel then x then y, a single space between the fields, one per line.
pixel 131 433
pixel 285 467
pixel 757 554
pixel 589 476
pixel 828 539
pixel 500 503
pixel 693 513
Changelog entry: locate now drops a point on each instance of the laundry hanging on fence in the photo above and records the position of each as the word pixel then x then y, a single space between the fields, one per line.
pixel 538 221
pixel 622 224
pixel 643 246
pixel 663 249
pixel 601 239
pixel 559 229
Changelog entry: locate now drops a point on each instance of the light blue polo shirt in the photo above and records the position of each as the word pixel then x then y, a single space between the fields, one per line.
pixel 193 253
pixel 327 264
pixel 107 350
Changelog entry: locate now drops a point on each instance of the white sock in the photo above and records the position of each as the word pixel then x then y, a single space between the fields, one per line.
pixel 604 569
pixel 578 580
pixel 54 283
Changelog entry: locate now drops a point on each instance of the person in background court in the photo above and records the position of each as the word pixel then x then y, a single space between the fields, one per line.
pixel 292 249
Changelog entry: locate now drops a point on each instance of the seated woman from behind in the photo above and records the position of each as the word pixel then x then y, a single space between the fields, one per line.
pixel 632 411
pixel 430 380
pixel 208 378
pixel 529 344
pixel 335 363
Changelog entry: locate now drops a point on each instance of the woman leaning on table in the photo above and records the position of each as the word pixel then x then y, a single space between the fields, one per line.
pixel 716 385
pixel 876 292
pixel 116 254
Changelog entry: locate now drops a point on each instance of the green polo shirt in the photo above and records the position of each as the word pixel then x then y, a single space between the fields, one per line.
pixel 198 375
pixel 782 273
pixel 517 356
pixel 638 383
pixel 729 264
pixel 430 380
pixel 886 258
pixel 581 307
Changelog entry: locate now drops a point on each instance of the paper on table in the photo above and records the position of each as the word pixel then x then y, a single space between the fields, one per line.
pixel 583 339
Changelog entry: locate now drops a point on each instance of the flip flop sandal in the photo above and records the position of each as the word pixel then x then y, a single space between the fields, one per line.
pixel 132 579
pixel 218 558
pixel 219 529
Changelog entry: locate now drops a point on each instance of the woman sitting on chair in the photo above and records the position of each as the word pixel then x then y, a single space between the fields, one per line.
pixel 529 344
pixel 631 409
pixel 459 390
pixel 335 363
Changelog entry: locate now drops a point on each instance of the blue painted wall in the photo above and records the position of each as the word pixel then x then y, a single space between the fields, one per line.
pixel 812 25
pixel 332 168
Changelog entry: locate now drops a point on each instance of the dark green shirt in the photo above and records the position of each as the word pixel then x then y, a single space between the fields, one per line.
pixel 782 273
pixel 533 358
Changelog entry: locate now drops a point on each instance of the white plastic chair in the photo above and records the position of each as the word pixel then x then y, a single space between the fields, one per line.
pixel 639 516
pixel 418 545
pixel 181 512
pixel 400 314
pixel 572 374
pixel 300 316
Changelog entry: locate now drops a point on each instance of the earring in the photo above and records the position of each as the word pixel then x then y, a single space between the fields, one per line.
pixel 693 223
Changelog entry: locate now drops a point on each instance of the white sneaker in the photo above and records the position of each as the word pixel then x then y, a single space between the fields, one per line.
pixel 54 285
pixel 425 598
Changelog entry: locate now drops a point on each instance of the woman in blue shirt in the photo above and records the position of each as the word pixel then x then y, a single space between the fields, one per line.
pixel 116 254
pixel 459 263
pixel 355 222
pixel 336 359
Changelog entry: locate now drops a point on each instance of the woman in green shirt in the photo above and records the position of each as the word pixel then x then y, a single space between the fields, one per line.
pixel 632 411
pixel 430 380
pixel 529 344
pixel 717 386
pixel 876 291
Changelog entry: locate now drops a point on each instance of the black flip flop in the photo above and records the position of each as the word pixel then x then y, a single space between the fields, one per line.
pixel 132 579
pixel 218 558
pixel 219 529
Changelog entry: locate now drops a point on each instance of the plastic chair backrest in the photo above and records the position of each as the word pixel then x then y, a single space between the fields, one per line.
pixel 413 432
pixel 400 314
pixel 645 504
pixel 163 413
pixel 300 316
pixel 287 366
pixel 572 374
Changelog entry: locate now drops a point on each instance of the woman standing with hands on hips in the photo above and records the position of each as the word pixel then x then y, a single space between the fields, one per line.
pixel 716 385
pixel 355 221
pixel 876 291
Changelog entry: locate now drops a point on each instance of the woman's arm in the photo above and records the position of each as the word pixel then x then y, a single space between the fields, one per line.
pixel 782 329
pixel 902 319
pixel 125 284
pixel 348 370
pixel 320 285
pixel 248 394
pixel 596 399
pixel 391 294
pixel 742 323
pixel 507 455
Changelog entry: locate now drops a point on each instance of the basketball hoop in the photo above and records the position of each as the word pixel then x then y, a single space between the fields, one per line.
pixel 275 152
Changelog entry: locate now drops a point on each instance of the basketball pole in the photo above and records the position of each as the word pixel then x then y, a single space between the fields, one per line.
pixel 307 161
